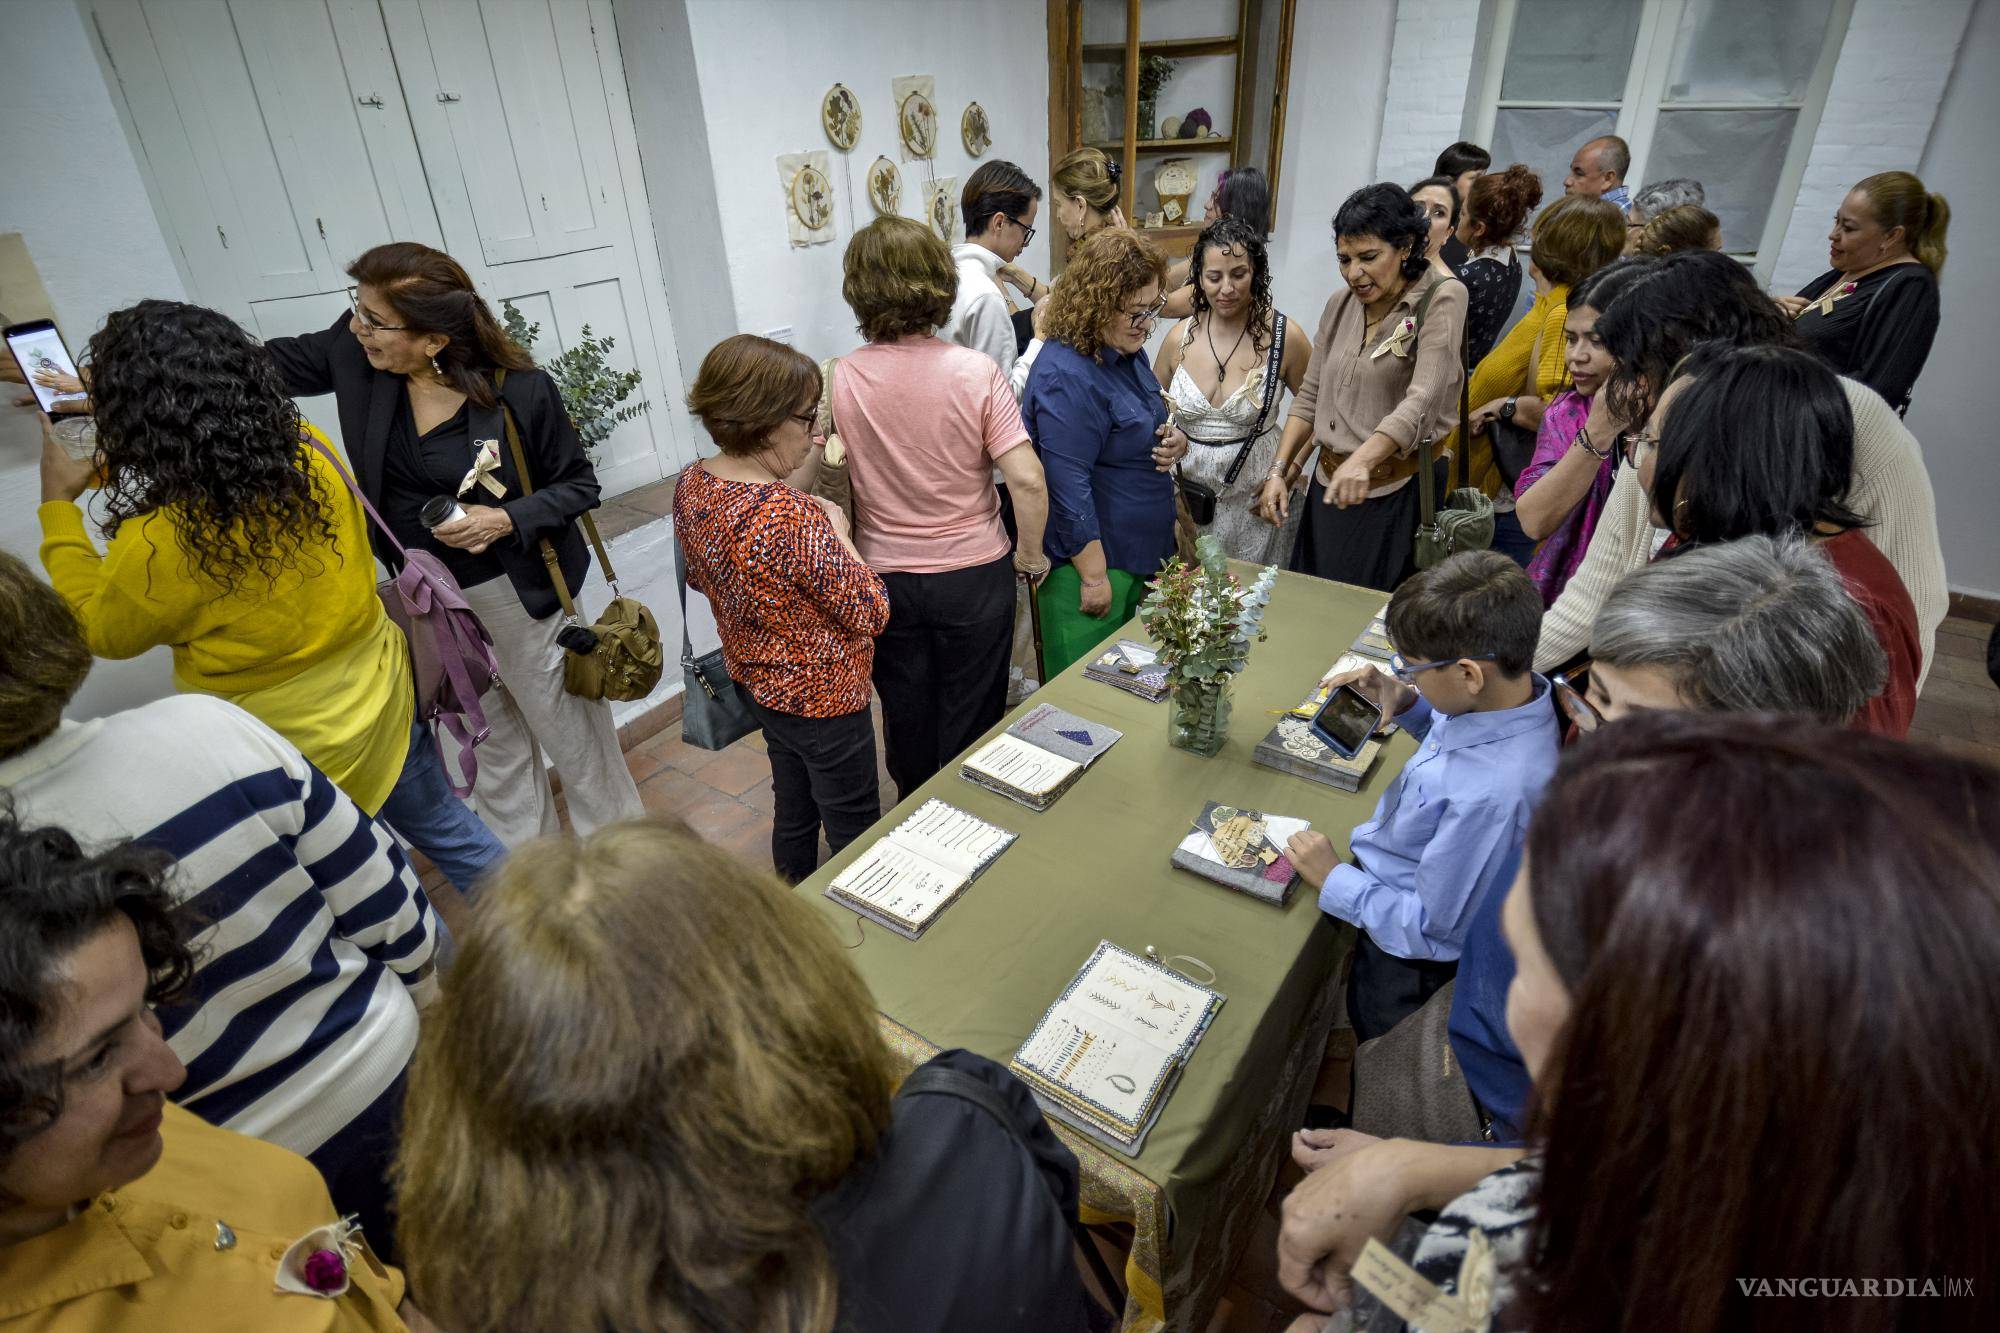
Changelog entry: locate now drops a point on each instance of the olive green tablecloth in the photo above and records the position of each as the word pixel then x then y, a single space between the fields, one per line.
pixel 1094 866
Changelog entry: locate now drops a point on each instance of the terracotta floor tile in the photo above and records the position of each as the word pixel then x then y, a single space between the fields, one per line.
pixel 669 792
pixel 715 816
pixel 736 770
pixel 678 754
pixel 759 797
pixel 657 499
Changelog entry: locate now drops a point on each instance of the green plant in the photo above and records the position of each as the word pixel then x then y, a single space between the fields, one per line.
pixel 1204 620
pixel 592 389
pixel 1154 71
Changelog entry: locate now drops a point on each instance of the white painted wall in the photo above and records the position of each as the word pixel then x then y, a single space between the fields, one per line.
pixel 1951 410
pixel 1431 76
pixel 764 68
pixel 1333 125
pixel 70 186
pixel 1886 89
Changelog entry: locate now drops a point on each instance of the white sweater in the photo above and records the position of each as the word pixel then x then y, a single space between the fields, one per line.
pixel 1891 489
pixel 321 942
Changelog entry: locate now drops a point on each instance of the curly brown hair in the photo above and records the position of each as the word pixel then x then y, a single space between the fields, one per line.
pixel 1105 270
pixel 646 1062
pixel 898 278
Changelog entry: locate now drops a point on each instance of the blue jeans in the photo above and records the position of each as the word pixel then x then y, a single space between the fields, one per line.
pixel 1510 541
pixel 436 823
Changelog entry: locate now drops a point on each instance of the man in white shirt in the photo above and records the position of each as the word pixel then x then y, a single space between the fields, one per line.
pixel 999 204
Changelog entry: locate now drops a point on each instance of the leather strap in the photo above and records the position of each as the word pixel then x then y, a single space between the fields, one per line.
pixel 1271 365
pixel 1426 483
pixel 359 494
pixel 528 488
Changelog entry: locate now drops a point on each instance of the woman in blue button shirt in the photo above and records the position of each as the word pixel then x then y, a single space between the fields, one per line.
pixel 1093 408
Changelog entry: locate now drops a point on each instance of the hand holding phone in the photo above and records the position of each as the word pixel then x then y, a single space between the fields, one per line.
pixel 1345 721
pixel 46 366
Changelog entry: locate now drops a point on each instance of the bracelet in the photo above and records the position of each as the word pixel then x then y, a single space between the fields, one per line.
pixel 1582 442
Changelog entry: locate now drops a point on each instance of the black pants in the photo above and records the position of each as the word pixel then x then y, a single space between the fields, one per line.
pixel 822 772
pixel 1383 990
pixel 941 665
pixel 355 1162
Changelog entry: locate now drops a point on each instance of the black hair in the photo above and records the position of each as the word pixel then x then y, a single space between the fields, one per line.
pixel 998 187
pixel 1245 194
pixel 54 897
pixel 193 419
pixel 1385 211
pixel 1606 285
pixel 1761 441
pixel 1244 237
pixel 1449 186
pixel 1692 297
pixel 1475 603
pixel 1460 158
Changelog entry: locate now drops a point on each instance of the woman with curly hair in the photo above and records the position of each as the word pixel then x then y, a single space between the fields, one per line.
pixel 1223 367
pixel 1384 374
pixel 433 395
pixel 118 1209
pixel 925 422
pixel 654 1096
pixel 231 539
pixel 1094 410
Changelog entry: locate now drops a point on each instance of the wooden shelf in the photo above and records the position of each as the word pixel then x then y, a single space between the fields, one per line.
pixel 1169 46
pixel 1216 143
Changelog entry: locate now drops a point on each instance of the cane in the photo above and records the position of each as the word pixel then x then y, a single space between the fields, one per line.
pixel 1035 626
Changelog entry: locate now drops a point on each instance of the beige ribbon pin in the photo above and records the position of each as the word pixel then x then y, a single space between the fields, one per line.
pixel 1826 303
pixel 485 462
pixel 1398 342
pixel 1420 1303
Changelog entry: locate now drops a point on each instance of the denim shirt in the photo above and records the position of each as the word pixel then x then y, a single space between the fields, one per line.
pixel 1445 829
pixel 1095 426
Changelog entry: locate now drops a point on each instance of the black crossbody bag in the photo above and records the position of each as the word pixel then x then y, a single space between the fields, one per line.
pixel 1200 497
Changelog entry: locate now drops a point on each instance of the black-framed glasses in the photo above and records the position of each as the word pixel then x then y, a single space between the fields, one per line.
pixel 1407 672
pixel 806 419
pixel 1575 704
pixel 1027 232
pixel 362 317
pixel 1139 319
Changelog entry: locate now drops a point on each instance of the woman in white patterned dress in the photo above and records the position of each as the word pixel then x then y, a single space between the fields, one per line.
pixel 1216 365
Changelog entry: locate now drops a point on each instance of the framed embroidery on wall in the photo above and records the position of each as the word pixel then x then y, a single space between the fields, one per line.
pixel 885 187
pixel 916 115
pixel 974 131
pixel 808 197
pixel 840 113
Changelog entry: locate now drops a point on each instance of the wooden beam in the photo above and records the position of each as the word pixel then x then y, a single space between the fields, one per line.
pixel 1129 175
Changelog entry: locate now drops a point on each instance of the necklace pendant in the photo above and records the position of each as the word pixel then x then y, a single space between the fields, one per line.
pixel 225 1237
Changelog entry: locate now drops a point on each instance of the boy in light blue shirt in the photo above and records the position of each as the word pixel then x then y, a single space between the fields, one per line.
pixel 1457 815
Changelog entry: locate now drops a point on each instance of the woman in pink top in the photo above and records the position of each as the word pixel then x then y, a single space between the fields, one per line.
pixel 924 423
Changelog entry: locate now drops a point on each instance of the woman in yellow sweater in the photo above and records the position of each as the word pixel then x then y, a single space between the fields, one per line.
pixel 233 541
pixel 1573 238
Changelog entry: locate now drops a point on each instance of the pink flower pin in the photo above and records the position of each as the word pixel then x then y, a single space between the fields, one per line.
pixel 325 1271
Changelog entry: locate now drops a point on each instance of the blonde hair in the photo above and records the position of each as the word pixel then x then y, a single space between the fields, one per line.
pixel 1106 268
pixel 1682 227
pixel 1091 176
pixel 646 1061
pixel 1898 199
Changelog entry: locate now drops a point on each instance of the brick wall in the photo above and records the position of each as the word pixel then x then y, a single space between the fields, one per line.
pixel 1430 78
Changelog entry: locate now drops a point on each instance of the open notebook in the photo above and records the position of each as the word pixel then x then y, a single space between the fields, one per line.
pixel 1038 758
pixel 919 868
pixel 1107 1053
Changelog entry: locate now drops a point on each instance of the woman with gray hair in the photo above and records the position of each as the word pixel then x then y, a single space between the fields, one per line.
pixel 1760 624
pixel 1655 199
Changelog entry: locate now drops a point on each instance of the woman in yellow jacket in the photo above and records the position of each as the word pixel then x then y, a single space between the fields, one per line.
pixel 1573 238
pixel 232 540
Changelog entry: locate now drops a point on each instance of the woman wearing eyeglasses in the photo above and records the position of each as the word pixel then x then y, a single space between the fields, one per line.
pixel 1094 410
pixel 414 370
pixel 1384 374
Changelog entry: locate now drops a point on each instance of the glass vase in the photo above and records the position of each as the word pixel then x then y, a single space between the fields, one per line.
pixel 1198 716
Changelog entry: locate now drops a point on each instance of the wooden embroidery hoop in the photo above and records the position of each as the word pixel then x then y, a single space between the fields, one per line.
pixel 885 186
pixel 812 198
pixel 840 114
pixel 974 131
pixel 916 121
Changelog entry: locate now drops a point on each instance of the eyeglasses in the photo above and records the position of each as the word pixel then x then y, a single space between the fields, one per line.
pixel 1407 672
pixel 806 419
pixel 1139 319
pixel 361 317
pixel 1027 232
pixel 1576 705
pixel 1634 445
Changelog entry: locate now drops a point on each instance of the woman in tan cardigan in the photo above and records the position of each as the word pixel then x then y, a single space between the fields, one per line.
pixel 1384 375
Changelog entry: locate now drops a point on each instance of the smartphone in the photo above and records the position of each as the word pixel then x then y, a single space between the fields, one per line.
pixel 1345 721
pixel 37 346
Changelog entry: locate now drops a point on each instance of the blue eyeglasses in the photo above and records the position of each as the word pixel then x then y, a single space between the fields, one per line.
pixel 1407 672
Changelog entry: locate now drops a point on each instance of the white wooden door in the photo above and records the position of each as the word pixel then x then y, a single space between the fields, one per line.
pixel 284 137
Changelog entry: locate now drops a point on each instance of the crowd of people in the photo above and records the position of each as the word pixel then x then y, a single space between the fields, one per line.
pixel 1675 964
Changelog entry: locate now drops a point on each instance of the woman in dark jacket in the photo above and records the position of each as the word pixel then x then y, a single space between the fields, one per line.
pixel 420 370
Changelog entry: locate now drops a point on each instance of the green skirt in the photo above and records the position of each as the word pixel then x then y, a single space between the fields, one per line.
pixel 1067 633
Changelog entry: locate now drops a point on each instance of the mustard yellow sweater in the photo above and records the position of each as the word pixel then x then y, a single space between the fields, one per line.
pixel 312 653
pixel 1504 372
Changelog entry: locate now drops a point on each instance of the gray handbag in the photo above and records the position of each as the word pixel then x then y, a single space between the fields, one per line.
pixel 715 713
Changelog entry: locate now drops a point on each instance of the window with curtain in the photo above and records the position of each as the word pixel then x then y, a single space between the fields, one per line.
pixel 1726 92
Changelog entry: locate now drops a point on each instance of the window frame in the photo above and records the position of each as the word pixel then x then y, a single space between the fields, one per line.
pixel 1641 102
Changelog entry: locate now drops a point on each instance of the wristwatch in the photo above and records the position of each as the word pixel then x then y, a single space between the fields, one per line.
pixel 1507 410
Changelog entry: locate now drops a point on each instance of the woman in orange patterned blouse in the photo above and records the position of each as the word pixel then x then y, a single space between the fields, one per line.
pixel 797 609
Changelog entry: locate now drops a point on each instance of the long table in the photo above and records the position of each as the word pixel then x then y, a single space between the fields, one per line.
pixel 1094 866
